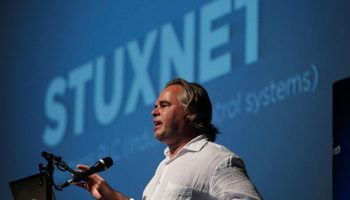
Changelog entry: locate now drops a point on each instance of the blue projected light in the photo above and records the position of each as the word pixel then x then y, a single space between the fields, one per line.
pixel 80 79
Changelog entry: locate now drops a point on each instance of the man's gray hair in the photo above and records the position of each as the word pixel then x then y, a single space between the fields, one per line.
pixel 195 101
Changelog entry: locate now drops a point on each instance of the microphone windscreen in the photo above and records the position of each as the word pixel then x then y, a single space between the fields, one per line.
pixel 108 162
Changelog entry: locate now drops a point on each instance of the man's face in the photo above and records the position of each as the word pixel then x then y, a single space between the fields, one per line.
pixel 170 121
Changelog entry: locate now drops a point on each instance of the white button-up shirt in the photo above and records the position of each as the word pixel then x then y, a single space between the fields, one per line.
pixel 201 170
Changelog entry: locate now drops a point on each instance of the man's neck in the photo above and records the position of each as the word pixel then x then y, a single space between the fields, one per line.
pixel 175 148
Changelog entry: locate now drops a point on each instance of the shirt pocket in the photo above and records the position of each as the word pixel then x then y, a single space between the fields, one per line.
pixel 178 192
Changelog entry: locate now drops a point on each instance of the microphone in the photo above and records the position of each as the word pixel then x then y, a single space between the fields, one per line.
pixel 101 165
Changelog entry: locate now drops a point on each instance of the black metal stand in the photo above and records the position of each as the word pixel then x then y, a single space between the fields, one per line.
pixel 49 171
pixel 50 168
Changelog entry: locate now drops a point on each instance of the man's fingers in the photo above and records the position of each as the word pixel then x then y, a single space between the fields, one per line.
pixel 82 185
pixel 94 177
pixel 83 167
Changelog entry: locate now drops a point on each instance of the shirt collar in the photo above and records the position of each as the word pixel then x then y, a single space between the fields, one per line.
pixel 195 144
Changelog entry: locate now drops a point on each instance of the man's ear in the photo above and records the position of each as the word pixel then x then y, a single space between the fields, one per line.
pixel 188 117
pixel 190 114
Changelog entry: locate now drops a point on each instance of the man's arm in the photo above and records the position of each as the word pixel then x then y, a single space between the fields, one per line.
pixel 99 188
pixel 230 181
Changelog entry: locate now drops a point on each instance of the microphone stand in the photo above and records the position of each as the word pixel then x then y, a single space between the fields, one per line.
pixel 50 168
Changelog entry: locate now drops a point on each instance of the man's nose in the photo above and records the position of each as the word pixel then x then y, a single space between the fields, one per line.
pixel 155 112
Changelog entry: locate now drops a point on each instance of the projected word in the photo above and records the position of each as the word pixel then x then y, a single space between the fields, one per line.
pixel 282 90
pixel 270 94
pixel 230 109
pixel 174 55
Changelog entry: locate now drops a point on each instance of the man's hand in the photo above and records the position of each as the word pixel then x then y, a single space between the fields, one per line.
pixel 98 187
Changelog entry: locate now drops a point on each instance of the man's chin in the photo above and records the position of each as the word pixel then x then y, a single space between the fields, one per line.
pixel 158 136
pixel 161 138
